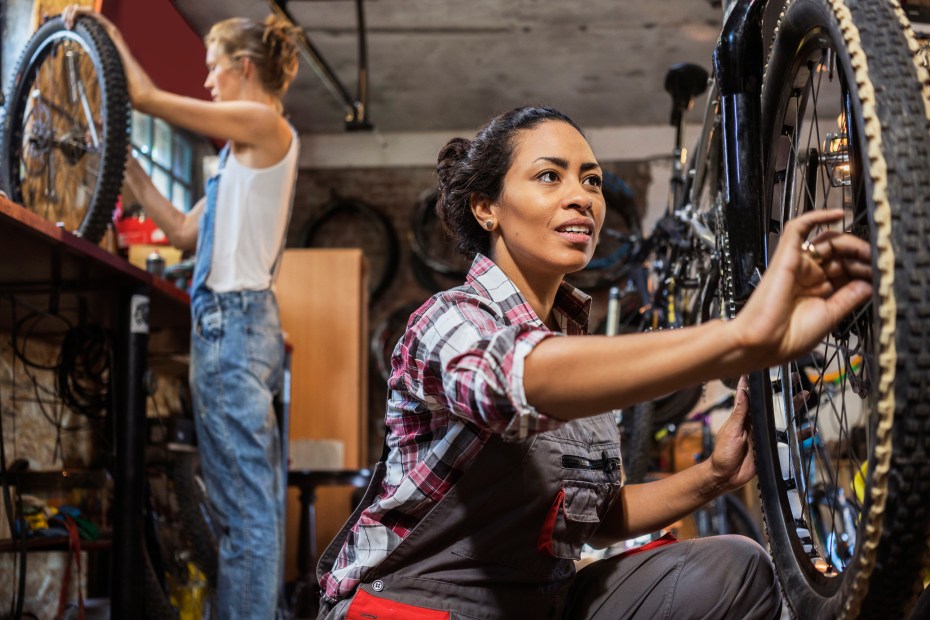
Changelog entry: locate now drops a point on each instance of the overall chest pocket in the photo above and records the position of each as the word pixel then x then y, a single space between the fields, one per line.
pixel 543 509
pixel 574 516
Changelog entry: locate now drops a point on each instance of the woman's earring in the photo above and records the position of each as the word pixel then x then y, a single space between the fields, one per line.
pixel 489 224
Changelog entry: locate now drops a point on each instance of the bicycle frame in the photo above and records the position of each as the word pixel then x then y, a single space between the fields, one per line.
pixel 734 109
pixel 738 62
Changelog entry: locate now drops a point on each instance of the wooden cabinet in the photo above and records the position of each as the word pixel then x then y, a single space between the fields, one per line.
pixel 323 296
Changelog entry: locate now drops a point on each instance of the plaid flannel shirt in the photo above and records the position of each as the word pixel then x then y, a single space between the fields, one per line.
pixel 457 378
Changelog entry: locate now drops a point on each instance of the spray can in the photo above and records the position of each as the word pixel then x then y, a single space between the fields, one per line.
pixel 155 264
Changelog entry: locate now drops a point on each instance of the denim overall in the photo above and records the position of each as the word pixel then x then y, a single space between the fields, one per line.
pixel 237 359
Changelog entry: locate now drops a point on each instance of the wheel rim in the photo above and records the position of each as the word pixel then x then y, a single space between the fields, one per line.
pixel 822 444
pixel 58 132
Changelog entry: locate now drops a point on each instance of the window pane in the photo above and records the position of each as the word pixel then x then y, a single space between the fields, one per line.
pixel 141 131
pixel 181 197
pixel 146 163
pixel 161 148
pixel 162 182
pixel 182 159
pixel 168 156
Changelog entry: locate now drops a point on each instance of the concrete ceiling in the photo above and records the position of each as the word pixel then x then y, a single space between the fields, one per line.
pixel 440 65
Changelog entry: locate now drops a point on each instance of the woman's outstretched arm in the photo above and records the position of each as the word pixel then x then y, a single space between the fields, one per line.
pixel 797 302
pixel 247 123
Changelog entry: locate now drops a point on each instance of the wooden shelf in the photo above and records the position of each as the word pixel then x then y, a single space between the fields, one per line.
pixel 40 260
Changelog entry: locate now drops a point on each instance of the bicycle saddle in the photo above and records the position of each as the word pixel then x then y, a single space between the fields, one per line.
pixel 684 82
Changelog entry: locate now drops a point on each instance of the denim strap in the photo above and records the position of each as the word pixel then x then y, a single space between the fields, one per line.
pixel 205 232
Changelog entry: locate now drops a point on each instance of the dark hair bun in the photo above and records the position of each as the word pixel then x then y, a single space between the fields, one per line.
pixel 454 151
pixel 450 157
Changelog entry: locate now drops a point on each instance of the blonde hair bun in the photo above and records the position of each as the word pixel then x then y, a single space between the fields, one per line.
pixel 270 45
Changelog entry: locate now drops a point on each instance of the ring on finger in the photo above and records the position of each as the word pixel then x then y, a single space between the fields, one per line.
pixel 812 251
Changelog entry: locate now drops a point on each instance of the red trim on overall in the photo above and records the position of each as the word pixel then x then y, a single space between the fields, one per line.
pixel 366 606
pixel 666 539
pixel 545 536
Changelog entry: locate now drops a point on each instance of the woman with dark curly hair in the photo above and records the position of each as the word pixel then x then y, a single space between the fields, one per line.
pixel 500 464
pixel 238 230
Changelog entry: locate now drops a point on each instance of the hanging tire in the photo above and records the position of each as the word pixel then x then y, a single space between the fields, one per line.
pixel 386 334
pixel 430 243
pixel 66 127
pixel 344 223
pixel 845 106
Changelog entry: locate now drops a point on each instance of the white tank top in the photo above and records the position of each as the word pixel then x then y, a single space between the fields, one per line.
pixel 253 206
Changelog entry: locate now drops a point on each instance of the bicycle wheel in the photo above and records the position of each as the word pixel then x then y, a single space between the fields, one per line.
pixel 739 520
pixel 181 536
pixel 845 107
pixel 201 526
pixel 727 515
pixel 354 224
pixel 435 262
pixel 637 431
pixel 66 127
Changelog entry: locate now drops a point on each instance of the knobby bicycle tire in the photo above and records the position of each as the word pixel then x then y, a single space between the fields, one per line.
pixel 180 528
pixel 344 223
pixel 61 157
pixel 862 57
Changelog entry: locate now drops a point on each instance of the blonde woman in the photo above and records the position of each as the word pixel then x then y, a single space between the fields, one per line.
pixel 238 230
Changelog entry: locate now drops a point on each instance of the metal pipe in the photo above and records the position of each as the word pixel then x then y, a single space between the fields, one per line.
pixel 129 472
pixel 361 116
pixel 354 110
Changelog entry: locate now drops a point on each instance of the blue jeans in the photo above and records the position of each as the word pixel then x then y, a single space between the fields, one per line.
pixel 237 360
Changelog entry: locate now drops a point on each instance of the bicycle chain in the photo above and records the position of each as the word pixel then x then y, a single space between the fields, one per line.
pixel 724 262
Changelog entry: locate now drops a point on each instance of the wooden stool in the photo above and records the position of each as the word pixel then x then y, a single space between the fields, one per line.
pixel 306 594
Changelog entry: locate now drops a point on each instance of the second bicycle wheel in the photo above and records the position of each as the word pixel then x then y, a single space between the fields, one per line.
pixel 64 134
pixel 846 104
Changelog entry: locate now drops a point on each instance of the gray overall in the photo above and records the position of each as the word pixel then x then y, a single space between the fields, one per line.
pixel 501 543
